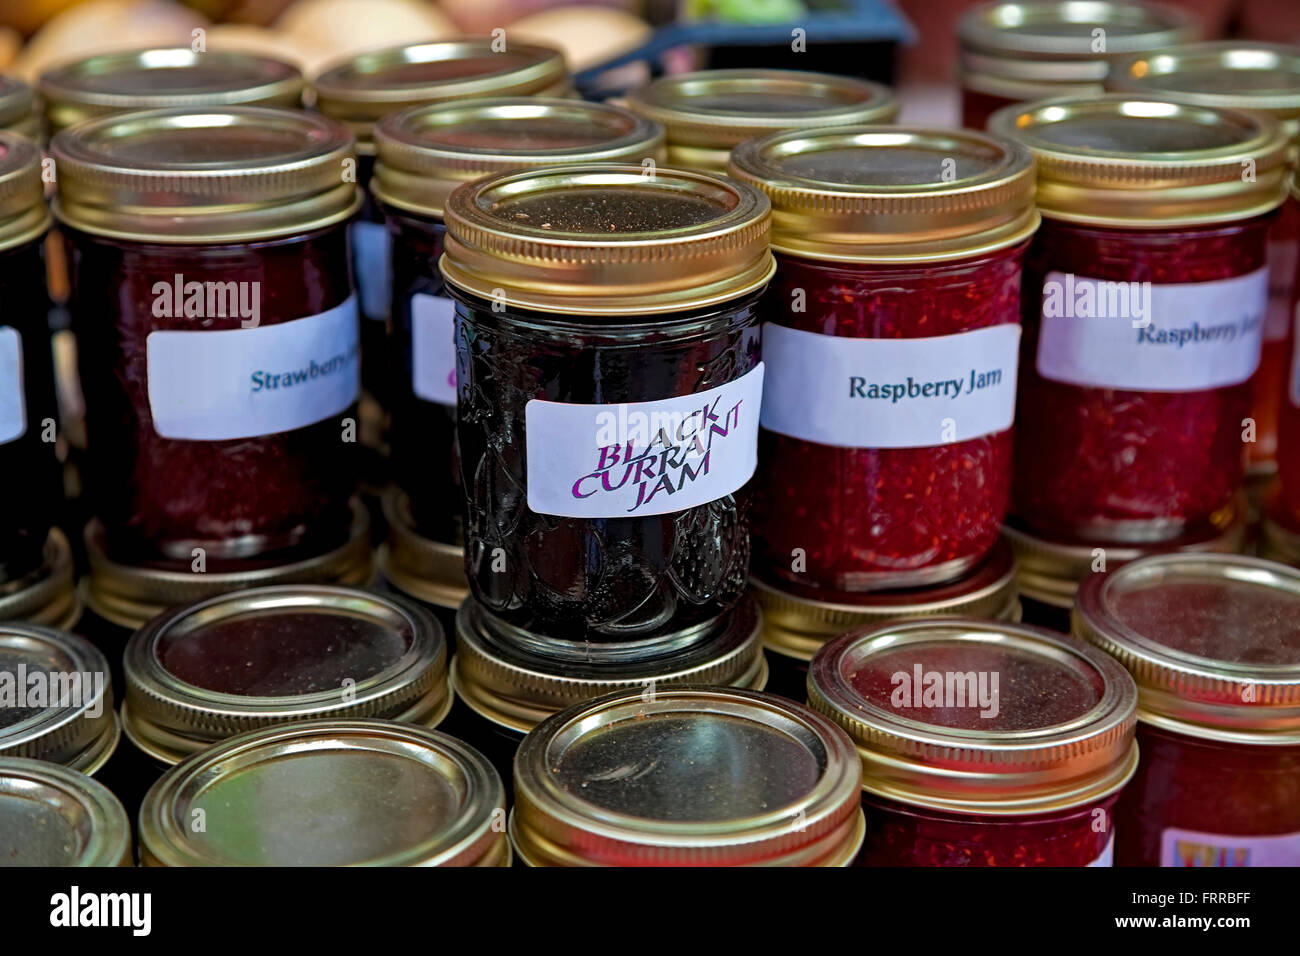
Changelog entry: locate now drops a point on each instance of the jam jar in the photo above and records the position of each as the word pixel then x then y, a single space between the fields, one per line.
pixel 18 112
pixel 1280 529
pixel 32 476
pixel 1144 303
pixel 982 744
pixel 217 328
pixel 422 154
pixel 609 379
pixel 707 114
pixel 891 339
pixel 1015 52
pixel 723 778
pixel 53 816
pixel 1264 77
pixel 1213 644
pixel 345 792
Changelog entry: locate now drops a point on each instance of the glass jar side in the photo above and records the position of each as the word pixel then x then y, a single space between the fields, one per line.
pixel 1272 379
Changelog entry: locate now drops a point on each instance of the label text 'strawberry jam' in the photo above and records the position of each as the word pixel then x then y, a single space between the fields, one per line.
pixel 607 409
pixel 891 341
pixel 1213 643
pixel 982 744
pixel 1145 297
pixel 217 327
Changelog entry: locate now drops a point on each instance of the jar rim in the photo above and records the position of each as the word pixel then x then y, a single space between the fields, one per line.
pixel 432 572
pixel 1034 29
pixel 48 596
pixel 18 112
pixel 88 807
pixel 24 216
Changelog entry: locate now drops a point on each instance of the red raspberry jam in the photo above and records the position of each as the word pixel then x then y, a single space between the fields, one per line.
pixel 1144 312
pixel 1213 643
pixel 607 411
pixel 709 113
pixel 982 744
pixel 1016 52
pixel 891 341
pixel 217 328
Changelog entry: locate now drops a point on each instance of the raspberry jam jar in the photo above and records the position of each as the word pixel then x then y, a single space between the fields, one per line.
pixel 723 778
pixel 982 744
pixel 54 816
pixel 424 153
pixel 609 379
pixel 1213 644
pixel 344 792
pixel 1144 304
pixel 217 328
pixel 891 339
pixel 709 113
pixel 1264 77
pixel 1016 52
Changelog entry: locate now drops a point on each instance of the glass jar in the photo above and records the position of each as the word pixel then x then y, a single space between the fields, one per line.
pixel 53 816
pixel 422 154
pixel 982 744
pixel 607 411
pixel 33 480
pixel 18 113
pixel 329 793
pixel 724 778
pixel 707 114
pixel 1144 313
pixel 217 328
pixel 891 339
pixel 1213 644
pixel 1280 529
pixel 48 595
pixel 1016 52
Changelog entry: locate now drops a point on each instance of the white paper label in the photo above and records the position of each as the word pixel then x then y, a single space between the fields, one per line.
pixel 1191 848
pixel 433 348
pixel 242 383
pixel 1107 857
pixel 1283 257
pixel 1152 338
pixel 13 409
pixel 889 393
pixel 371 252
pixel 643 458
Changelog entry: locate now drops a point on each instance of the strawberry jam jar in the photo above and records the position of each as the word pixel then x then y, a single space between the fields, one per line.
pixel 217 328
pixel 1213 644
pixel 1016 52
pixel 982 744
pixel 609 379
pixel 891 339
pixel 1144 304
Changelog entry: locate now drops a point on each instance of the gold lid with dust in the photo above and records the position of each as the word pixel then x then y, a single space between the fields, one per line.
pixel 365 87
pixel 51 815
pixel 891 193
pixel 426 152
pixel 1054 732
pixel 1138 163
pixel 163 78
pixel 205 175
pixel 47 596
pixel 607 240
pixel 18 112
pixel 23 213
pixel 709 112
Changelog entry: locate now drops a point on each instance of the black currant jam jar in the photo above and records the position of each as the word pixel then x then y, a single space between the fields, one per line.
pixel 609 377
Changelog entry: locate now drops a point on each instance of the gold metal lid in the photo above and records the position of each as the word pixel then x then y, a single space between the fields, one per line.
pixel 1139 163
pixel 427 570
pixel 263 656
pixel 23 213
pixel 328 793
pixel 518 687
pixel 1049 570
pixel 687 776
pixel 426 152
pixel 1210 638
pixel 366 87
pixel 798 621
pixel 53 816
pixel 47 596
pixel 161 78
pixel 707 113
pixel 891 193
pixel 18 112
pixel 607 240
pixel 129 595
pixel 205 175
pixel 1055 730
pixel 56 698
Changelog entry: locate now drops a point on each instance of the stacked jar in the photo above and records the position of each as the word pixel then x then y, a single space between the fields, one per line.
pixel 891 342
pixel 1017 52
pixel 1145 296
pixel 18 111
